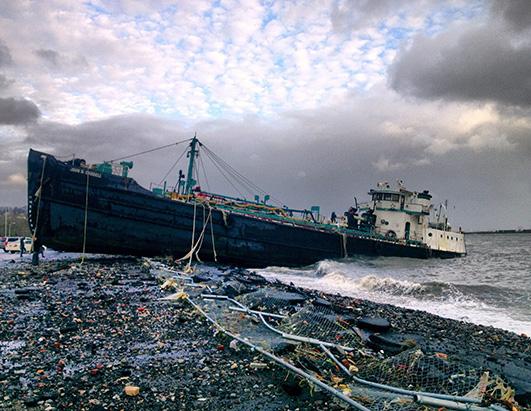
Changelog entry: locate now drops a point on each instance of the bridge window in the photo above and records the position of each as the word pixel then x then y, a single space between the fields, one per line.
pixel 385 197
pixel 391 197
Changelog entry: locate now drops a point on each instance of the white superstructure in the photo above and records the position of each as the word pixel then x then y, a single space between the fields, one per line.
pixel 405 215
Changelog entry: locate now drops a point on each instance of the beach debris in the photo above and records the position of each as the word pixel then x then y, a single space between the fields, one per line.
pixel 131 390
pixel 108 341
pixel 234 345
pixel 441 355
pixel 481 388
pixel 374 323
pixel 169 284
pixel 257 365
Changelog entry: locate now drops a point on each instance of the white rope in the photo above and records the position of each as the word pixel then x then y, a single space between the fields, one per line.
pixel 202 235
pixel 212 232
pixel 225 215
pixel 196 245
pixel 344 244
pixel 85 223
pixel 190 253
pixel 38 193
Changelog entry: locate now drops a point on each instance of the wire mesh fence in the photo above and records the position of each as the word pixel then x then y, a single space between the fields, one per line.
pixel 417 371
pixel 321 323
pixel 320 340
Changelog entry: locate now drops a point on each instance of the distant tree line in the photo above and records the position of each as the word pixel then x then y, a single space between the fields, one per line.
pixel 14 222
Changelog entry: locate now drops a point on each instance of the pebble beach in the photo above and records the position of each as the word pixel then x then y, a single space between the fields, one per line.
pixel 98 336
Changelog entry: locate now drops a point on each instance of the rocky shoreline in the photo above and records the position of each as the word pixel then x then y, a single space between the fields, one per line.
pixel 74 337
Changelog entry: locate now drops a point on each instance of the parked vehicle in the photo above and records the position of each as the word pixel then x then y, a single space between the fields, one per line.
pixel 13 244
pixel 3 243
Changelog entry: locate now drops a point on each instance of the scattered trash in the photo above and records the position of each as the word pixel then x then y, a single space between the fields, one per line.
pixel 88 329
pixel 131 390
pixel 234 345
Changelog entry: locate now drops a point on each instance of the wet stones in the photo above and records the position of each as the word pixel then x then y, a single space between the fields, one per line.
pixel 69 327
pixel 106 316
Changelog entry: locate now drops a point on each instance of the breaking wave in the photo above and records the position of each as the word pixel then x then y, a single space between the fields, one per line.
pixel 478 303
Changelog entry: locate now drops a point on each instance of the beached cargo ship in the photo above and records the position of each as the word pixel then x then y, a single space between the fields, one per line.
pixel 99 209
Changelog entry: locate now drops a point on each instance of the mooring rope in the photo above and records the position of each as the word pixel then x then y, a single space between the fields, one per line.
pixel 344 243
pixel 34 237
pixel 190 253
pixel 202 235
pixel 85 223
pixel 212 232
pixel 196 245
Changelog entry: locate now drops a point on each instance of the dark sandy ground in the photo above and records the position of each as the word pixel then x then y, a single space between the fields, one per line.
pixel 72 337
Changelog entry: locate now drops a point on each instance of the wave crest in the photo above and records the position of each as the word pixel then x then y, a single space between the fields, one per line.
pixel 390 285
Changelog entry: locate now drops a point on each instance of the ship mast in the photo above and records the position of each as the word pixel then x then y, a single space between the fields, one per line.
pixel 192 154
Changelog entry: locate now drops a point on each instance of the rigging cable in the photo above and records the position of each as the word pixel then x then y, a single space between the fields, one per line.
pixel 226 178
pixel 150 151
pixel 243 184
pixel 248 184
pixel 204 171
pixel 240 176
pixel 173 166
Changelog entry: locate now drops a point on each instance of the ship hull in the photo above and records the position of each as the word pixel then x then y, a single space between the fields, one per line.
pixel 74 209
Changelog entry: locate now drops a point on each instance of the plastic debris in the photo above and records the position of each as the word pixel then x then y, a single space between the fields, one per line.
pixel 234 345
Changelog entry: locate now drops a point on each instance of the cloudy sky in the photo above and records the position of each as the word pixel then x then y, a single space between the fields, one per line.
pixel 315 101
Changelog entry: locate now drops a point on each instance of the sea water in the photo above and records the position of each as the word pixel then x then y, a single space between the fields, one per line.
pixel 489 286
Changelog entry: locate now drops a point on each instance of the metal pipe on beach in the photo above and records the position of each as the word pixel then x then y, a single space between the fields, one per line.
pixel 282 362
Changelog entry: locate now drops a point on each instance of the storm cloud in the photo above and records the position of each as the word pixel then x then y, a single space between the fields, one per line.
pixel 325 156
pixel 5 55
pixel 18 111
pixel 313 104
pixel 5 82
pixel 517 13
pixel 50 56
pixel 485 63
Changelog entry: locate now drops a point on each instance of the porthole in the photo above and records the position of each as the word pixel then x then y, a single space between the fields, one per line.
pixel 429 234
